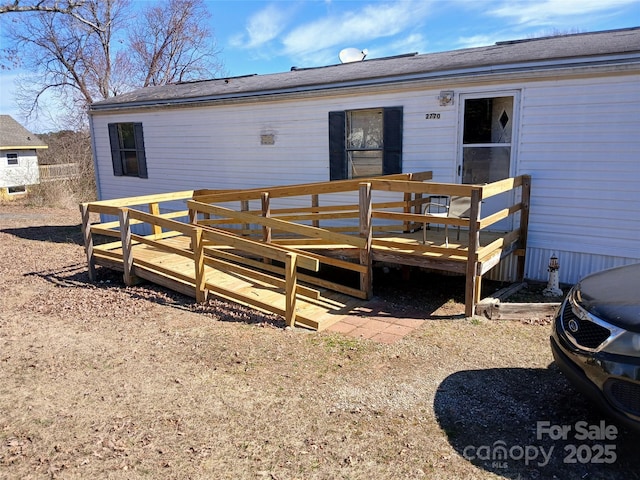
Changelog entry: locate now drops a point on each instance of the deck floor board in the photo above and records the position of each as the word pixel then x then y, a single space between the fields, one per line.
pixel 317 314
pixel 177 272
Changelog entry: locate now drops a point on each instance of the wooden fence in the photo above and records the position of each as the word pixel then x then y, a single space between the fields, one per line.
pixel 60 171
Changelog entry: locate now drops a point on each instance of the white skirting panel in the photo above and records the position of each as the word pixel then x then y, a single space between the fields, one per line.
pixel 573 265
pixel 505 271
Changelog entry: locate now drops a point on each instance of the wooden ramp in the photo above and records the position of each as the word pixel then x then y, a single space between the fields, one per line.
pixel 263 247
pixel 315 308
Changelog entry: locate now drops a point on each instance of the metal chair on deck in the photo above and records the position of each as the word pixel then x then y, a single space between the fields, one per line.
pixel 446 207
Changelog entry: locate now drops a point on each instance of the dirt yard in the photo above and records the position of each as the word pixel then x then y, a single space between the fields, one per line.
pixel 102 381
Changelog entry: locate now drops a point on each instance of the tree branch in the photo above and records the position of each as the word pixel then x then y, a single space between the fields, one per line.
pixel 42 6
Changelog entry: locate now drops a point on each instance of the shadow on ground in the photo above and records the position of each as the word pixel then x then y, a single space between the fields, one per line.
pixel 415 293
pixel 496 419
pixel 49 233
pixel 399 293
pixel 76 276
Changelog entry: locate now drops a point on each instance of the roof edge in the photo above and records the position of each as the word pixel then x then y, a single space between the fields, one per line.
pixel 539 66
pixel 24 147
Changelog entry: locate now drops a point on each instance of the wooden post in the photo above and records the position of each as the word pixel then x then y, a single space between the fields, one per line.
pixel 88 241
pixel 315 202
pixel 127 248
pixel 193 216
pixel 244 207
pixel 478 291
pixel 524 223
pixel 472 278
pixel 408 196
pixel 366 232
pixel 266 213
pixel 417 209
pixel 198 260
pixel 154 209
pixel 291 283
pixel 193 220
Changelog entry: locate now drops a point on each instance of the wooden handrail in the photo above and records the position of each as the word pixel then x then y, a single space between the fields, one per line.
pixel 407 186
pixel 282 225
pixel 141 200
pixel 501 186
pixel 407 214
pixel 158 221
pixel 200 237
pixel 305 189
pixel 421 218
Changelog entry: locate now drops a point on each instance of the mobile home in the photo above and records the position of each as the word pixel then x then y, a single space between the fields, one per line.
pixel 563 109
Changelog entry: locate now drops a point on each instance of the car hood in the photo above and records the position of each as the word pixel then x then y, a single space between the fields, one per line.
pixel 613 295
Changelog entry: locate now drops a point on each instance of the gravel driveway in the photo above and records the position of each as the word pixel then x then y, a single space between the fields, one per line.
pixel 104 381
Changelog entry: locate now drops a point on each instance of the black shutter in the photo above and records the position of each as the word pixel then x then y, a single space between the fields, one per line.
pixel 116 158
pixel 392 156
pixel 142 159
pixel 337 151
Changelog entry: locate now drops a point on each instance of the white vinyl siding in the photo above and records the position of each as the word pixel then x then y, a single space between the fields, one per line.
pixel 579 145
pixel 577 138
pixel 24 172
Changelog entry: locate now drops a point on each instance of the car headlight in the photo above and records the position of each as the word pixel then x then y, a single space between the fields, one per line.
pixel 627 343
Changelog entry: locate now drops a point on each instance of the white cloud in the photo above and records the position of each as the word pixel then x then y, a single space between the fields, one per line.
pixel 415 42
pixel 316 41
pixel 476 41
pixel 262 27
pixel 554 12
pixel 516 19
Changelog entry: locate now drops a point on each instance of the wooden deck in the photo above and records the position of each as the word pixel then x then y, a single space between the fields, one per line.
pixel 268 258
pixel 316 309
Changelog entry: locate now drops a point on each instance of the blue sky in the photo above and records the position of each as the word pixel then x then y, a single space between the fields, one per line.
pixel 272 36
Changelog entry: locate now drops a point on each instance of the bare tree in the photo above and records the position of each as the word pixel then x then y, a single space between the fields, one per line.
pixel 17 6
pixel 92 50
pixel 70 162
pixel 173 44
pixel 69 54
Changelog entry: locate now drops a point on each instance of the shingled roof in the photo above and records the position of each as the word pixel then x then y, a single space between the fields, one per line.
pixel 14 136
pixel 517 55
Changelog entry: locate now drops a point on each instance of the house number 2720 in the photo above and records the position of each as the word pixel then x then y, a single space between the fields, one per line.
pixel 432 116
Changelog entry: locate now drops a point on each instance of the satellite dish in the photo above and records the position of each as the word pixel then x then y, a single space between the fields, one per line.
pixel 348 55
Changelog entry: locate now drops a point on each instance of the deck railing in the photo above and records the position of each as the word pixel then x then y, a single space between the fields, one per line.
pixel 357 228
pixel 207 247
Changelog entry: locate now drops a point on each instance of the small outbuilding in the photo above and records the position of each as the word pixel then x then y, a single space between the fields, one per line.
pixel 18 158
pixel 564 110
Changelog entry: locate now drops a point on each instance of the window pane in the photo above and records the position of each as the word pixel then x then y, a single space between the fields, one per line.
pixel 485 164
pixel 365 163
pixel 364 129
pixel 18 189
pixel 477 120
pixel 12 158
pixel 127 137
pixel 130 163
pixel 488 120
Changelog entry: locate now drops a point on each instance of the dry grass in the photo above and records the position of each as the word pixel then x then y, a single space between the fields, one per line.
pixel 103 381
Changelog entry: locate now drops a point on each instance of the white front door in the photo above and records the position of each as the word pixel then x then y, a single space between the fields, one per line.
pixel 486 153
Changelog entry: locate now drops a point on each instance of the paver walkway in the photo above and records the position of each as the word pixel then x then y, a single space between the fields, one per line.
pixel 376 321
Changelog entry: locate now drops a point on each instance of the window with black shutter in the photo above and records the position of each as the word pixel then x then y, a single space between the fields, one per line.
pixel 365 143
pixel 127 149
